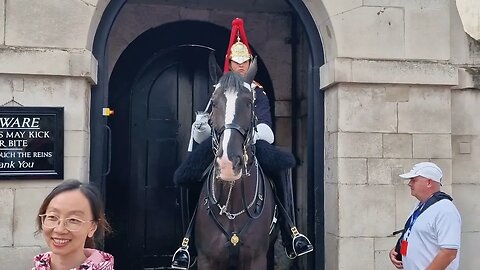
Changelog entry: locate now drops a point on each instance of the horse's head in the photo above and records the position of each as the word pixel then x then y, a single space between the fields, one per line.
pixel 233 121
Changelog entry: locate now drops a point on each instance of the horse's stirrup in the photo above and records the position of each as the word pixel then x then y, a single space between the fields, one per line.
pixel 308 244
pixel 177 253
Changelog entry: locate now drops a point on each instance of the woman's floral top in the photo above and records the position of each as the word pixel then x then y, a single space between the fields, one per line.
pixel 96 260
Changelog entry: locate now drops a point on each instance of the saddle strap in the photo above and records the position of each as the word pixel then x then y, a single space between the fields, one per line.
pixel 282 208
pixel 259 197
pixel 188 233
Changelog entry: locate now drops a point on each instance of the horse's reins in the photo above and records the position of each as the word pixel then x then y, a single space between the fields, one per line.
pixel 258 197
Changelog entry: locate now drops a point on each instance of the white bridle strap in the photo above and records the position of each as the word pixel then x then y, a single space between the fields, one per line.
pixel 248 86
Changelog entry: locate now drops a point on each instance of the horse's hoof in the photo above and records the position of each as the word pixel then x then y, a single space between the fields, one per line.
pixel 181 259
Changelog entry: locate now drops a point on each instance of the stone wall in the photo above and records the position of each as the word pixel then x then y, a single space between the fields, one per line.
pixel 43 62
pixel 390 102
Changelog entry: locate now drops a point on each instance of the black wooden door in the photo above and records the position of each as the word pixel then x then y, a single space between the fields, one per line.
pixel 163 99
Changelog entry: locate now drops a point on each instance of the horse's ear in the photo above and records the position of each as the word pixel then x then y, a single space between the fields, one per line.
pixel 251 71
pixel 214 69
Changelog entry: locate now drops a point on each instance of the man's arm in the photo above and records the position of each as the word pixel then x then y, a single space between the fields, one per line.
pixel 444 257
pixel 262 111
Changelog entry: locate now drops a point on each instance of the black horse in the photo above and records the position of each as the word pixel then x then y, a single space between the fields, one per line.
pixel 233 223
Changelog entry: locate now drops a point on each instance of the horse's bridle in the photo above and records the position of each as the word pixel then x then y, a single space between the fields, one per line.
pixel 247 134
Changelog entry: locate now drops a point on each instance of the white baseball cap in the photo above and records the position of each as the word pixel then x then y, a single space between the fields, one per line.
pixel 425 169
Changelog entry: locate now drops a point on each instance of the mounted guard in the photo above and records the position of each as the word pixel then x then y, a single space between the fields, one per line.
pixel 274 163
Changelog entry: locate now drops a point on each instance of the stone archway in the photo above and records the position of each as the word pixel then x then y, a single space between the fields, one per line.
pixel 313 153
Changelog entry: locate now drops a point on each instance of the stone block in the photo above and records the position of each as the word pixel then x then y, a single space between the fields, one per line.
pixel 382 260
pixel 6 212
pixel 385 244
pixel 464 148
pixel 331 109
pixel 27 203
pixel 72 94
pixel 18 257
pixel 465 165
pixel 469 258
pixel 352 171
pixel 85 64
pixel 432 146
pixel 362 108
pixel 55 62
pixel 77 143
pixel 335 7
pixel 283 132
pixel 377 32
pixel 15 184
pixel 468 11
pixel 76 168
pixel 331 145
pixel 331 251
pixel 397 146
pixel 397 93
pixel 361 207
pixel 415 4
pixel 72 32
pixel 465 112
pixel 9 84
pixel 330 73
pixel 446 166
pixel 359 145
pixel 331 203
pixel 340 70
pixel 2 22
pixel 422 29
pixel 283 108
pixel 263 28
pixel 281 80
pixel 331 171
pixel 404 72
pixel 404 205
pixel 386 171
pixel 198 15
pixel 468 207
pixel 428 110
pixel 356 251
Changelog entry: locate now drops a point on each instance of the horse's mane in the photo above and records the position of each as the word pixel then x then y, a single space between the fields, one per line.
pixel 231 81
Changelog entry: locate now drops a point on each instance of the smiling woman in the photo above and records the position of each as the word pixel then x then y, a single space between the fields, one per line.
pixel 69 218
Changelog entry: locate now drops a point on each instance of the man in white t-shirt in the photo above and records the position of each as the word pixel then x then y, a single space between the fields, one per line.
pixel 431 239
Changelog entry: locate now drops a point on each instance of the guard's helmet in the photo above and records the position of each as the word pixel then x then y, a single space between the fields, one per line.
pixel 238 51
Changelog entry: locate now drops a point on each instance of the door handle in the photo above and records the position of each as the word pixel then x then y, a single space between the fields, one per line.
pixel 108 132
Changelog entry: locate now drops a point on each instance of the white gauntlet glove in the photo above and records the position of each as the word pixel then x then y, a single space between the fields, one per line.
pixel 264 132
pixel 201 130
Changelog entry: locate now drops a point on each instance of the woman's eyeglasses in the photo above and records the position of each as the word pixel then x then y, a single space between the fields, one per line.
pixel 71 224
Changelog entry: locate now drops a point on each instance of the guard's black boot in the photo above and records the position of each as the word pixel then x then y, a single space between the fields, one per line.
pixel 181 259
pixel 295 243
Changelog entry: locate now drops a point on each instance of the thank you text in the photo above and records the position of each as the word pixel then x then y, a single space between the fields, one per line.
pixel 31 142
